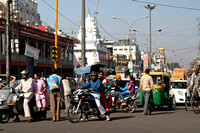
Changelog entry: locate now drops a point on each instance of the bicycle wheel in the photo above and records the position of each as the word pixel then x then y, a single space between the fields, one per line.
pixel 195 104
pixel 186 102
pixel 186 105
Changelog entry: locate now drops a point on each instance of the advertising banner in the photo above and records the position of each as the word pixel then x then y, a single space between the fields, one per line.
pixel 32 52
pixel 145 61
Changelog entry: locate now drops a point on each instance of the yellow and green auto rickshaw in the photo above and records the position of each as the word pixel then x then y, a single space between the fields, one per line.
pixel 162 86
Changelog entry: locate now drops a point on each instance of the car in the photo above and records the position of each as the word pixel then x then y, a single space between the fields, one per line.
pixel 178 90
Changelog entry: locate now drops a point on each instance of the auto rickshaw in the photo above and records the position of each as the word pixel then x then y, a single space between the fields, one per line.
pixel 162 86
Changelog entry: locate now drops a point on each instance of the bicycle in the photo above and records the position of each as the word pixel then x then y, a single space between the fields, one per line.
pixel 195 102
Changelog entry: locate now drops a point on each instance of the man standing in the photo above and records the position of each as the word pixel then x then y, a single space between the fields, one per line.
pixel 145 86
pixel 188 86
pixel 55 96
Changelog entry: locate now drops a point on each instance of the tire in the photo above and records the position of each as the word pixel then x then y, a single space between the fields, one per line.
pixel 71 115
pixel 132 108
pixel 195 104
pixel 186 104
pixel 4 117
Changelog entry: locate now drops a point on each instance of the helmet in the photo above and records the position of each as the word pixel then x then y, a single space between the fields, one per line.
pixel 93 73
pixel 118 76
pixel 24 74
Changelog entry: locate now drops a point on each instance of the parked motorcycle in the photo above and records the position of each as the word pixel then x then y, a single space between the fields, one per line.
pixel 82 103
pixel 11 104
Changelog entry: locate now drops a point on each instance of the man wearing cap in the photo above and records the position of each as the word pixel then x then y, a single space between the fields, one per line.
pixel 118 85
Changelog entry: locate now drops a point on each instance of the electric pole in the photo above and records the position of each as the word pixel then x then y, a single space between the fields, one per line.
pixel 8 26
pixel 83 34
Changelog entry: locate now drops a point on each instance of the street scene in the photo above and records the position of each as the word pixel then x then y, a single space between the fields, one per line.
pixel 99 66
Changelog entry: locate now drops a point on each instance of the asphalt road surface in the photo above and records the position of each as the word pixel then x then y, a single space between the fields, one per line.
pixel 163 120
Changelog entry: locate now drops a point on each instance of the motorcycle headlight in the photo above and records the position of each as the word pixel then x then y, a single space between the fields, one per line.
pixel 2 97
pixel 180 93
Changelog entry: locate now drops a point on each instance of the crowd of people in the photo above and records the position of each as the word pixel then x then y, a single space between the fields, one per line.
pixel 99 88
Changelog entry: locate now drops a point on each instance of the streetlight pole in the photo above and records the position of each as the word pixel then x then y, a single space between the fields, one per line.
pixel 150 8
pixel 130 27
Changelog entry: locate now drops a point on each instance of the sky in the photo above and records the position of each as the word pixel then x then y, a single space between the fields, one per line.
pixel 179 35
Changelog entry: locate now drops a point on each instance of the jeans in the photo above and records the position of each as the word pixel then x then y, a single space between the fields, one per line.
pixel 122 95
pixel 146 95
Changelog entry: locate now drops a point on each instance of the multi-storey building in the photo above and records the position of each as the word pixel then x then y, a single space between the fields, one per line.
pixel 42 40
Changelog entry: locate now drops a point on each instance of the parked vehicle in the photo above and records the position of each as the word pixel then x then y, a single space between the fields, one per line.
pixel 162 86
pixel 178 90
pixel 82 103
pixel 11 104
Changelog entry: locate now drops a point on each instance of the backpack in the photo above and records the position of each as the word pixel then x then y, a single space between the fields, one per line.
pixel 52 82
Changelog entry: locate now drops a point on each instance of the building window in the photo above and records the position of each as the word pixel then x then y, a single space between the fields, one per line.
pixel 120 49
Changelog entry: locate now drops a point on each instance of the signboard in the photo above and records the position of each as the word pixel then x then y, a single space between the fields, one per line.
pixel 32 52
pixel 96 57
pixel 145 61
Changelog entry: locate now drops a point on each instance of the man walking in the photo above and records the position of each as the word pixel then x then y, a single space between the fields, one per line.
pixel 55 96
pixel 145 86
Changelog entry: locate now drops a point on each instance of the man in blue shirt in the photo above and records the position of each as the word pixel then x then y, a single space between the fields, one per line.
pixel 94 85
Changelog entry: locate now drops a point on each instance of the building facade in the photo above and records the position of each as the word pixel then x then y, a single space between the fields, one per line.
pixel 95 51
pixel 23 11
pixel 42 40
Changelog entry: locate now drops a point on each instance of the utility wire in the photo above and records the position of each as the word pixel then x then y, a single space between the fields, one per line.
pixel 107 32
pixel 184 48
pixel 60 13
pixel 180 7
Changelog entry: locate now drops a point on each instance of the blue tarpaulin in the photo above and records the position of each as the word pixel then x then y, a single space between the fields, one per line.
pixel 82 70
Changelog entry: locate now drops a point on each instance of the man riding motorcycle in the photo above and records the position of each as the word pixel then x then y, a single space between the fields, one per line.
pixel 94 85
pixel 25 87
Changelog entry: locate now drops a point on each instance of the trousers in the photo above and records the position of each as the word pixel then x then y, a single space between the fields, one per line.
pixel 98 102
pixel 146 95
pixel 55 104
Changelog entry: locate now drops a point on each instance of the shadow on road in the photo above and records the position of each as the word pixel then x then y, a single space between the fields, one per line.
pixel 1 130
pixel 161 113
pixel 121 117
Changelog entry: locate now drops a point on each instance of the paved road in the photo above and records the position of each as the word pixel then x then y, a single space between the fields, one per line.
pixel 175 121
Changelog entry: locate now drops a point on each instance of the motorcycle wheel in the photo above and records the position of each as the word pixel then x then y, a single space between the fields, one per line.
pixel 4 117
pixel 72 116
pixel 132 108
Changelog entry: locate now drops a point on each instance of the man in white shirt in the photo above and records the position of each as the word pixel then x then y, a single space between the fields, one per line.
pixel 145 86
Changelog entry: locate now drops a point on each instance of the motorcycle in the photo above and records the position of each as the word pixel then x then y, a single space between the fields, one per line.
pixel 82 103
pixel 131 103
pixel 11 104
